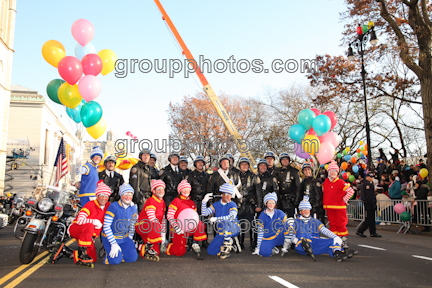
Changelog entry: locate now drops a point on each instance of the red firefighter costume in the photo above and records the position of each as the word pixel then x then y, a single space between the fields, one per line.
pixel 178 245
pixel 336 194
pixel 83 228
pixel 148 228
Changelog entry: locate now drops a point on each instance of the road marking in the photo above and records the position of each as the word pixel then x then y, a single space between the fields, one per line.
pixel 24 266
pixel 372 247
pixel 27 273
pixel 422 257
pixel 283 282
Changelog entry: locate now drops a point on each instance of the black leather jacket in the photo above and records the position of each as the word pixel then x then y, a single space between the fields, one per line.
pixel 114 183
pixel 289 187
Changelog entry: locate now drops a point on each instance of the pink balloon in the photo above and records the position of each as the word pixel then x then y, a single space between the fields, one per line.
pixel 399 208
pixel 332 117
pixel 189 219
pixel 127 133
pixel 316 111
pixel 135 137
pixel 70 69
pixel 330 137
pixel 82 31
pixel 326 152
pixel 312 132
pixel 92 64
pixel 131 135
pixel 89 87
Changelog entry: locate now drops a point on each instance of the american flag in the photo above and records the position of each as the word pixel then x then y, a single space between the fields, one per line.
pixel 61 163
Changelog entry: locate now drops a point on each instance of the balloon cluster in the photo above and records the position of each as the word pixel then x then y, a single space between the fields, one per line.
pixel 76 91
pixel 356 159
pixel 365 28
pixel 128 133
pixel 313 135
pixel 401 210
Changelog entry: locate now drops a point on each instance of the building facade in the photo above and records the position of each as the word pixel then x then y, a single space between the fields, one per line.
pixel 7 29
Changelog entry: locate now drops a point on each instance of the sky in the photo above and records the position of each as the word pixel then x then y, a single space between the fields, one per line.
pixel 266 30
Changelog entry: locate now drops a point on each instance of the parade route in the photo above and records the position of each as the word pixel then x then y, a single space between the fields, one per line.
pixel 400 261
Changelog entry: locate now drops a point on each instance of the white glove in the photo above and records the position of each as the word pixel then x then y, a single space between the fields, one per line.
pixel 213 219
pixel 294 240
pixel 178 230
pixel 337 241
pixel 256 252
pixel 207 197
pixel 97 223
pixel 115 249
pixel 92 198
pixel 163 236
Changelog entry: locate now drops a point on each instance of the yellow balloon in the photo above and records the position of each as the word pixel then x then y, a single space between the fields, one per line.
pixel 69 95
pixel 53 51
pixel 98 129
pixel 370 25
pixel 109 59
pixel 326 166
pixel 310 144
pixel 347 149
pixel 361 143
pixel 101 165
pixel 424 173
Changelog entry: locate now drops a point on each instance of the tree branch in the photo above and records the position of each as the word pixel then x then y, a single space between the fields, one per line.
pixel 425 13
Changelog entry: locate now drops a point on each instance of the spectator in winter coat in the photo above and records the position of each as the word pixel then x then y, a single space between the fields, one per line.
pixel 394 188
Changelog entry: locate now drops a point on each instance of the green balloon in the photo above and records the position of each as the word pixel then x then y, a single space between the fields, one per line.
pixel 405 216
pixel 365 28
pixel 359 154
pixel 362 148
pixel 91 113
pixel 52 89
pixel 351 178
pixel 344 152
pixel 339 155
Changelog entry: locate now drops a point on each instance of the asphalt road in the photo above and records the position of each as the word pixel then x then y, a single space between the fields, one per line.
pixel 393 266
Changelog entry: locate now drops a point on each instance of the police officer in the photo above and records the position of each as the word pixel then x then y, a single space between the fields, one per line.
pixel 369 200
pixel 312 188
pixel 270 157
pixel 183 165
pixel 152 164
pixel 251 201
pixel 216 180
pixel 111 178
pixel 231 157
pixel 289 185
pixel 267 181
pixel 140 179
pixel 172 176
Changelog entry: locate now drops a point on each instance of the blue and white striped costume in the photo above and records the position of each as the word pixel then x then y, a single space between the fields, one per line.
pixel 309 229
pixel 119 227
pixel 272 231
pixel 227 223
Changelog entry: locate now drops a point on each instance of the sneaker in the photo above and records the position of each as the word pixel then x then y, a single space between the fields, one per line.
pixel 388 223
pixel 382 224
pixel 237 245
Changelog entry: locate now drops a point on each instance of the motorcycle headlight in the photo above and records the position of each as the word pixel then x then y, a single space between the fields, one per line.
pixel 45 204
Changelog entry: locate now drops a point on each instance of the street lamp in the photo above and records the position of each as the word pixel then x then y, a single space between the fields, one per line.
pixel 365 33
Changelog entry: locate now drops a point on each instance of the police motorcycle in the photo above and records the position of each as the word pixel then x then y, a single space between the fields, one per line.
pixel 17 209
pixel 51 213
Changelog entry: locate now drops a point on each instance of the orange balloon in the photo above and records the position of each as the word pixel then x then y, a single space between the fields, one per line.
pixel 365 152
pixel 344 166
pixel 365 146
pixel 358 150
pixel 353 160
pixel 364 166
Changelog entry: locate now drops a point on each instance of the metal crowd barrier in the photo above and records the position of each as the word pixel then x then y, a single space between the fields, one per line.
pixel 420 211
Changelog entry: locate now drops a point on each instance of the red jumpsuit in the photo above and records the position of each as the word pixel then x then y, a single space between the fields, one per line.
pixel 178 245
pixel 83 229
pixel 147 227
pixel 335 196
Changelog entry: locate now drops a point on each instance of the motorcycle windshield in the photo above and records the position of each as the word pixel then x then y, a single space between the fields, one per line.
pixel 59 197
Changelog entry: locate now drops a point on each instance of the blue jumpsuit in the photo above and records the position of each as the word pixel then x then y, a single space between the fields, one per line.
pixel 119 224
pixel 272 231
pixel 89 182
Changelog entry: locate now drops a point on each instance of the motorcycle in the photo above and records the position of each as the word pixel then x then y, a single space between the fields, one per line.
pixel 17 209
pixel 50 216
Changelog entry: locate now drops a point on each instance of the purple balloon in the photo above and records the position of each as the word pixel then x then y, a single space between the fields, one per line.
pixel 299 152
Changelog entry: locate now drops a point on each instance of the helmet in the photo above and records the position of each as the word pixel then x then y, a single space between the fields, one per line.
pixel 306 165
pixel 262 161
pixel 144 151
pixel 230 156
pixel 199 158
pixel 172 155
pixel 153 156
pixel 284 155
pixel 243 160
pixel 110 158
pixel 224 157
pixel 183 159
pixel 269 154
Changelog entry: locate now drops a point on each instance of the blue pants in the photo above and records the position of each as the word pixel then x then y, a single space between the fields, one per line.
pixel 319 246
pixel 268 245
pixel 128 252
pixel 84 200
pixel 216 245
